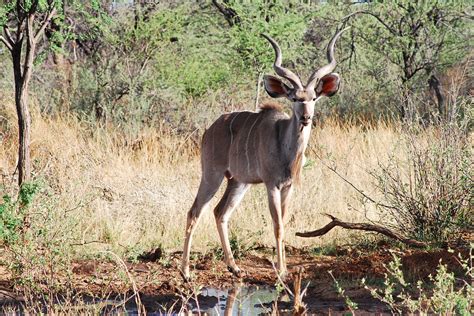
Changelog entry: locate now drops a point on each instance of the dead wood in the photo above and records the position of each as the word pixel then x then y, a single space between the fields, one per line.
pixel 299 308
pixel 361 226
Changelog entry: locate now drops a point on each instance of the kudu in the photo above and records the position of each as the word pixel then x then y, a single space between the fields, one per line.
pixel 254 147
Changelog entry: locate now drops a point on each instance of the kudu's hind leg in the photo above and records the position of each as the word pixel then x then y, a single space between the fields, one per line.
pixel 234 193
pixel 207 189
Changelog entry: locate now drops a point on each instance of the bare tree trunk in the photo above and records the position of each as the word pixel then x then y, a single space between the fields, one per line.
pixel 405 102
pixel 23 115
pixel 25 37
pixel 22 80
pixel 24 123
pixel 435 85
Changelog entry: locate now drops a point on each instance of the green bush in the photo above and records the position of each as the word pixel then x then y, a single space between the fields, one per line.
pixel 14 214
pixel 10 222
pixel 442 295
pixel 37 237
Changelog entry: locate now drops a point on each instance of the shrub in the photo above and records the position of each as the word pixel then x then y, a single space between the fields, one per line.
pixel 36 236
pixel 442 295
pixel 428 193
pixel 14 214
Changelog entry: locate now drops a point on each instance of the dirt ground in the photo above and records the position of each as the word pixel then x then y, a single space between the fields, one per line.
pixel 157 278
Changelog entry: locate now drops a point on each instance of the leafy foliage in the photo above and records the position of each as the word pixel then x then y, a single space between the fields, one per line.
pixel 441 295
pixel 14 212
pixel 134 65
pixel 9 221
pixel 276 19
pixel 418 38
pixel 37 248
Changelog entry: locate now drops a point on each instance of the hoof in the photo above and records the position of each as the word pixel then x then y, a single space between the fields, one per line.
pixel 185 275
pixel 235 271
pixel 283 275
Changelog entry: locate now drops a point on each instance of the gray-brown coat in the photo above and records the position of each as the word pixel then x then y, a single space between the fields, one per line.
pixel 254 147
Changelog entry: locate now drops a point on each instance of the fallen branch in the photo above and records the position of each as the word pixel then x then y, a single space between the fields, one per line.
pixel 361 226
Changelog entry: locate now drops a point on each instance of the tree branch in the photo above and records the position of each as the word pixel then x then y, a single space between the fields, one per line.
pixel 388 27
pixel 8 35
pixel 20 27
pixel 350 183
pixel 230 15
pixel 360 226
pixel 44 24
pixel 29 51
pixel 6 42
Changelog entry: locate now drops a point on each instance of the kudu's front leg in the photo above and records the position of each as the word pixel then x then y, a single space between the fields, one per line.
pixel 274 202
pixel 286 193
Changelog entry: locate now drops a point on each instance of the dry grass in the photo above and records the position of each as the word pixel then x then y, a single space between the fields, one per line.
pixel 133 194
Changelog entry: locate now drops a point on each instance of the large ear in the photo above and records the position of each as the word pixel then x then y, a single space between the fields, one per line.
pixel 275 87
pixel 328 85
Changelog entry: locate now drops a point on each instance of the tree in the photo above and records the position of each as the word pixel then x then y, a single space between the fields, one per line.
pixel 418 37
pixel 28 19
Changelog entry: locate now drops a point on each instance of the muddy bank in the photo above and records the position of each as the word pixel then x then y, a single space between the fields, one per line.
pixel 108 286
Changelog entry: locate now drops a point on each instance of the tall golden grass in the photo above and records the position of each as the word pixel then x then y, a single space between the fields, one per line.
pixel 133 193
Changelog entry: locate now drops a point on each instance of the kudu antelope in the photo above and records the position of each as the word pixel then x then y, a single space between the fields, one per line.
pixel 254 147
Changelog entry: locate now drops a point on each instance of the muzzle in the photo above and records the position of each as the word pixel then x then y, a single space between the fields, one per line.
pixel 305 120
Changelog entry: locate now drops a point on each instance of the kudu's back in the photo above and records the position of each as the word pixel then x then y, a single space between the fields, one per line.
pixel 241 144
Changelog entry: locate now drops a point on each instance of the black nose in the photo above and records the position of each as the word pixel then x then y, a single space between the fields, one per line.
pixel 305 119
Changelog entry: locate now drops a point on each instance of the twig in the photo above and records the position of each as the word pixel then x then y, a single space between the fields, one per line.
pixel 351 184
pixel 281 280
pixel 361 226
pixel 7 39
pixel 88 242
pixel 7 293
pixel 299 308
pixel 136 294
pixel 230 14
pixel 389 28
pixel 46 21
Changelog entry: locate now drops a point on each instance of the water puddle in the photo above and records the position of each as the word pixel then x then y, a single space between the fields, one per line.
pixel 240 300
pixel 210 301
pixel 235 301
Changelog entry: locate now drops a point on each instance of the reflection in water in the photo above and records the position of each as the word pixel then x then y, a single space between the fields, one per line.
pixel 240 300
pixel 236 301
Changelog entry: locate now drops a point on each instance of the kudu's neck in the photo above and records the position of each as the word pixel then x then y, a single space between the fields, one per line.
pixel 296 134
pixel 294 140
